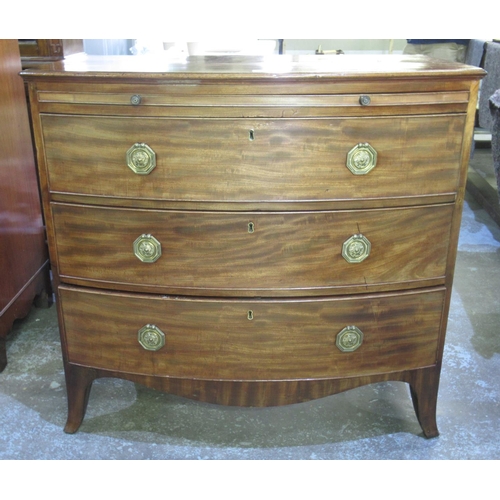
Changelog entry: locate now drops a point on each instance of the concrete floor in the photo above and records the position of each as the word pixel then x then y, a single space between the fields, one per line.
pixel 126 421
pixel 481 180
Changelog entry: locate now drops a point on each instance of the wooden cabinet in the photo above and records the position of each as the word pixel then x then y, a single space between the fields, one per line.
pixel 24 265
pixel 254 231
pixel 39 51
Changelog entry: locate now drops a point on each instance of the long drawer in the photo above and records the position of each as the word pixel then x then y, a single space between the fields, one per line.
pixel 277 253
pixel 253 160
pixel 235 100
pixel 252 339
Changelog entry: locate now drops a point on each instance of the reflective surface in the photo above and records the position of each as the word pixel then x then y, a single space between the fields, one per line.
pixel 244 66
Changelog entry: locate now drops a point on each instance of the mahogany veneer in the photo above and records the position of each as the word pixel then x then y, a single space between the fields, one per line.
pixel 254 231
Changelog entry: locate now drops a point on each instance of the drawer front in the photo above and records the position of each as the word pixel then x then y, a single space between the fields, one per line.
pixel 252 160
pixel 198 252
pixel 234 101
pixel 211 339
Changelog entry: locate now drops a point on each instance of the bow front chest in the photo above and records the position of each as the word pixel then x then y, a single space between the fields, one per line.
pixel 253 231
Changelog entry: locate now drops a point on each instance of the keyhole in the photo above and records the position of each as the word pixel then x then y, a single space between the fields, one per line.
pixel 251 227
pixel 251 135
pixel 250 315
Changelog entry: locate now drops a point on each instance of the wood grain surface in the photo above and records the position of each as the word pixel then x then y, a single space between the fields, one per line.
pixel 204 252
pixel 214 339
pixel 287 160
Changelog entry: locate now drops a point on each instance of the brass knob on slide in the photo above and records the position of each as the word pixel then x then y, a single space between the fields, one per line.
pixel 365 100
pixel 147 248
pixel 151 337
pixel 361 159
pixel 141 159
pixel 356 248
pixel 135 100
pixel 349 339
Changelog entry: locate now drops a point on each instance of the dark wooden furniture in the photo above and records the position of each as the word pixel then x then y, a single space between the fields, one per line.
pixel 24 266
pixel 39 51
pixel 254 231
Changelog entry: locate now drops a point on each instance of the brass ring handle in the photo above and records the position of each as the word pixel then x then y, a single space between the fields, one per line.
pixel 147 248
pixel 141 159
pixel 349 339
pixel 151 338
pixel 356 249
pixel 361 159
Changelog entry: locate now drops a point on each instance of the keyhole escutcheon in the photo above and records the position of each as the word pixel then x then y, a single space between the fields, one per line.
pixel 251 227
pixel 251 135
pixel 250 315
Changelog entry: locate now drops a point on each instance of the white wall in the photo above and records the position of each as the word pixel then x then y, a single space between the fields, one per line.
pixel 107 47
pixel 291 46
pixel 349 46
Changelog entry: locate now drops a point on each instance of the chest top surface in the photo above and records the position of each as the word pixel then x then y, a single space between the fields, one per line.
pixel 274 67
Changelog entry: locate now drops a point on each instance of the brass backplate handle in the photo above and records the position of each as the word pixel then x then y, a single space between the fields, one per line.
pixel 361 159
pixel 356 248
pixel 141 159
pixel 349 339
pixel 151 337
pixel 147 248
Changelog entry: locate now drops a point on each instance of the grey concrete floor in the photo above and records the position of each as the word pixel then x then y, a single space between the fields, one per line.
pixel 128 422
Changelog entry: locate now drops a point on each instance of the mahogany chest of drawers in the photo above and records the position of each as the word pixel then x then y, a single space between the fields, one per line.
pixel 253 231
